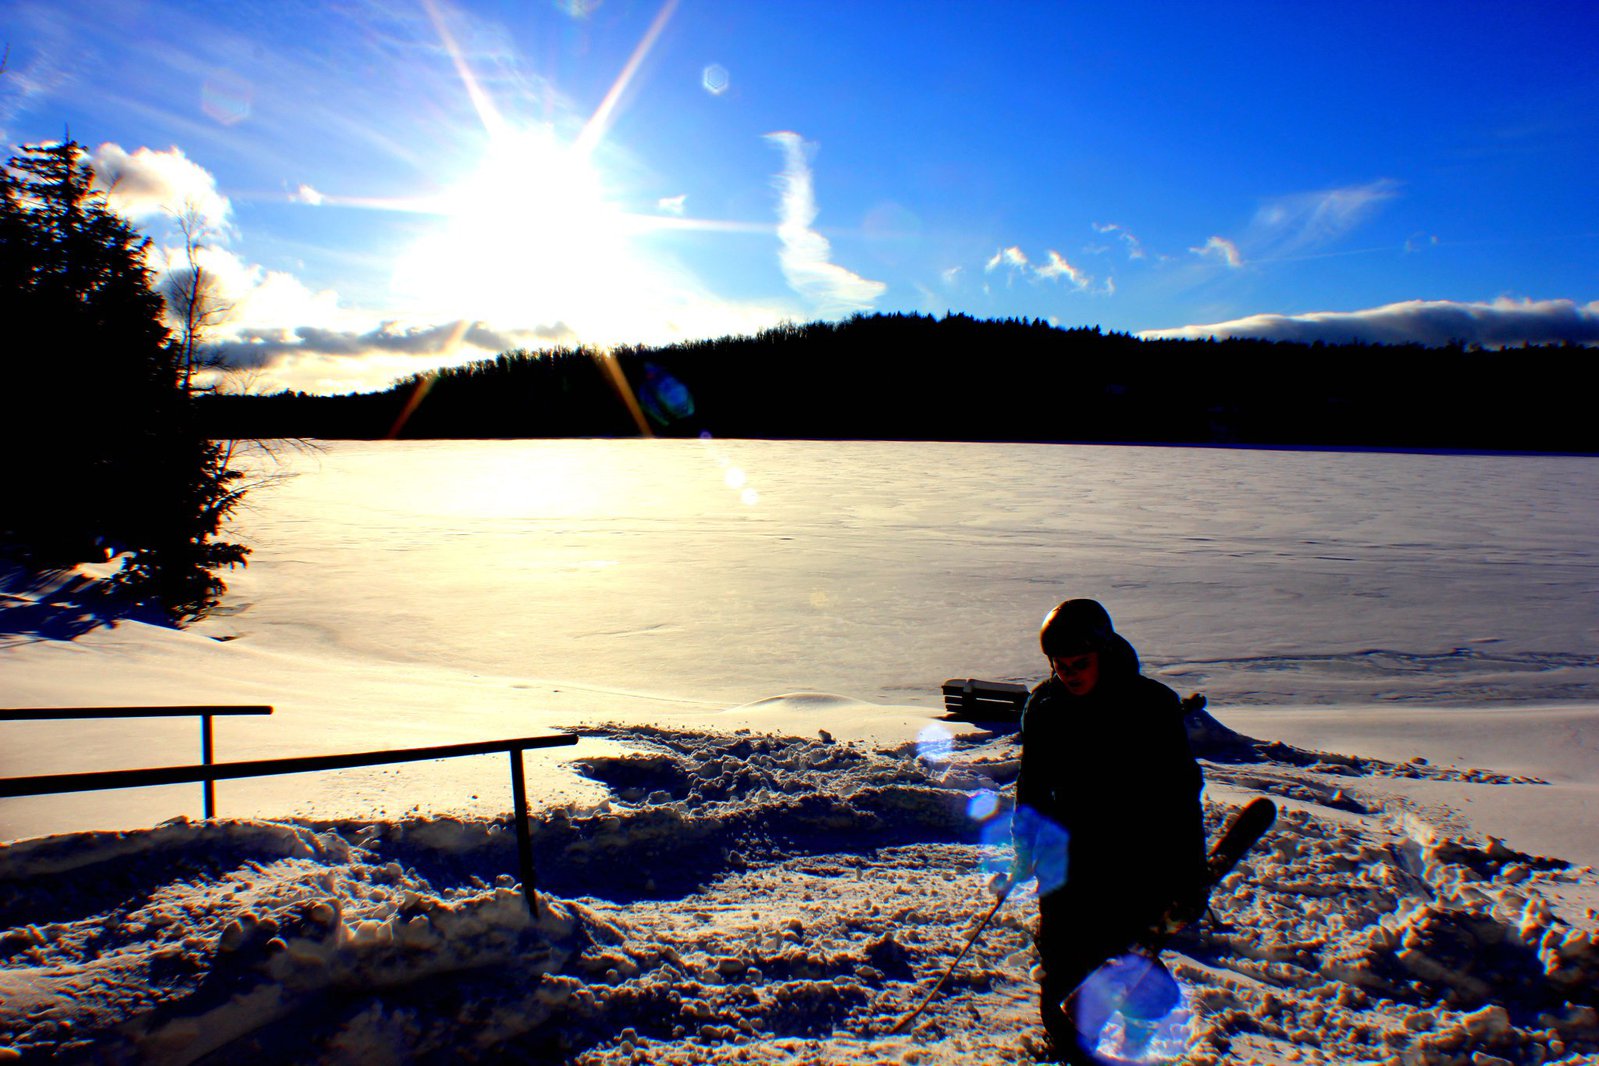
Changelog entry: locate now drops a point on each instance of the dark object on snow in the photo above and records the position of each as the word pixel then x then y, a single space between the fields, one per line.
pixel 989 703
pixel 1209 739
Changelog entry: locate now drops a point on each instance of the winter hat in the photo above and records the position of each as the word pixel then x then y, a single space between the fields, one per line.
pixel 1074 628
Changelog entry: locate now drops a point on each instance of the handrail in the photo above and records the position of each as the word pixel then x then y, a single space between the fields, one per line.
pixel 205 712
pixel 102 780
pixel 64 714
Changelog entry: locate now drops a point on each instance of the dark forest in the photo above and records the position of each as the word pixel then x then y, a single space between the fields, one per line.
pixel 917 377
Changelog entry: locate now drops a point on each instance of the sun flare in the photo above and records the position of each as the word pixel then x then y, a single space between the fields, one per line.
pixel 528 236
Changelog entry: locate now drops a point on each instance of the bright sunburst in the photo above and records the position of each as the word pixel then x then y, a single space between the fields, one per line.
pixel 528 236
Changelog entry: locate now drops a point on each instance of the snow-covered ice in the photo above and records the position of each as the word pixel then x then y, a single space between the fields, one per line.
pixel 1400 649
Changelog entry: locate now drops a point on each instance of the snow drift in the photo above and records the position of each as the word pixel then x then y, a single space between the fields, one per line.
pixel 742 897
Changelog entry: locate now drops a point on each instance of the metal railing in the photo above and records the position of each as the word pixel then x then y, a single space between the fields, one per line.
pixel 101 780
pixel 205 713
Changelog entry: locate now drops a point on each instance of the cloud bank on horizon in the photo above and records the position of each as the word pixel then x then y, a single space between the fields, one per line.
pixel 1501 323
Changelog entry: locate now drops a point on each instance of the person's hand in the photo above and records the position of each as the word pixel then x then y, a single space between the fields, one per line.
pixel 1021 869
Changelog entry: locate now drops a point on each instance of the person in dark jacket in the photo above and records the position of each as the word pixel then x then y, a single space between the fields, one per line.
pixel 1108 813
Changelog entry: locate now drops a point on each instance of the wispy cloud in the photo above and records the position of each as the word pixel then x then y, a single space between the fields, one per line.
pixel 1296 225
pixel 1220 248
pixel 806 256
pixel 1016 264
pixel 1291 224
pixel 1135 247
pixel 1494 324
pixel 145 184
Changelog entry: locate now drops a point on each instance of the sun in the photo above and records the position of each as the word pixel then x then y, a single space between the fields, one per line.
pixel 529 236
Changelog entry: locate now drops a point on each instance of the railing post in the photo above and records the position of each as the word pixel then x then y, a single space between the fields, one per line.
pixel 524 838
pixel 205 759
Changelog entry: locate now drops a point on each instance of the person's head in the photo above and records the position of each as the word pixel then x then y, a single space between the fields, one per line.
pixel 1073 637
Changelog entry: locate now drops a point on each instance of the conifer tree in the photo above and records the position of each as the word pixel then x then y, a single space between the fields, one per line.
pixel 102 449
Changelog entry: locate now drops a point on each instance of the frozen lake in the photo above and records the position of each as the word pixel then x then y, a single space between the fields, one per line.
pixel 420 592
pixel 731 571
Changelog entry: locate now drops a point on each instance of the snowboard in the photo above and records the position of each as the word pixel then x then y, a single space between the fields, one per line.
pixel 1137 984
pixel 1247 827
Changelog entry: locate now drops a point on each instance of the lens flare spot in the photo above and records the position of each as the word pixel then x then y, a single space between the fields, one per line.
pixel 735 477
pixel 227 98
pixel 1047 839
pixel 664 398
pixel 935 743
pixel 750 497
pixel 994 836
pixel 716 79
pixel 982 806
pixel 1138 1011
pixel 821 600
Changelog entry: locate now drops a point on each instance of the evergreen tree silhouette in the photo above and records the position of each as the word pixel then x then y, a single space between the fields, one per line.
pixel 103 451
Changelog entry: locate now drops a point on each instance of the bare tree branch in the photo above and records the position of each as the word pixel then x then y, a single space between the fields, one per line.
pixel 193 293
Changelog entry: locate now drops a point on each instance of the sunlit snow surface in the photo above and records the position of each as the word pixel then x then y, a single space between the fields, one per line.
pixel 1421 631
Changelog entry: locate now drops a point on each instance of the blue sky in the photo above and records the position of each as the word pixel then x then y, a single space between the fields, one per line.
pixel 390 186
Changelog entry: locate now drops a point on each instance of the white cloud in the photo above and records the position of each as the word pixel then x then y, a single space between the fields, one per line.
pixel 1220 248
pixel 806 256
pixel 258 299
pixel 1011 257
pixel 1016 263
pixel 672 205
pixel 1057 267
pixel 951 275
pixel 145 183
pixel 1499 323
pixel 307 195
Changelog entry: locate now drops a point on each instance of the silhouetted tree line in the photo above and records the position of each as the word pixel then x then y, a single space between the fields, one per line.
pixel 917 377
pixel 104 453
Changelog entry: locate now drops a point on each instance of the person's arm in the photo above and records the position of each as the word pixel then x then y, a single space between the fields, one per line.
pixel 1180 782
pixel 1024 817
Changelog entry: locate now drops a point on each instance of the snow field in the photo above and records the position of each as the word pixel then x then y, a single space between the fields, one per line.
pixel 747 898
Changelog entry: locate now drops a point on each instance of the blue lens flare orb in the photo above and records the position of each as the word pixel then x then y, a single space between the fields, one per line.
pixel 227 98
pixel 1049 839
pixel 716 79
pixel 664 398
pixel 1132 1009
pixel 988 809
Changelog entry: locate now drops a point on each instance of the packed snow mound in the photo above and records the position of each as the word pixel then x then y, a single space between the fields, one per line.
pixel 749 898
pixel 168 944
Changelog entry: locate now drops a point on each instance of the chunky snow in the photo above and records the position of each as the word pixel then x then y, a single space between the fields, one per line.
pixel 728 876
